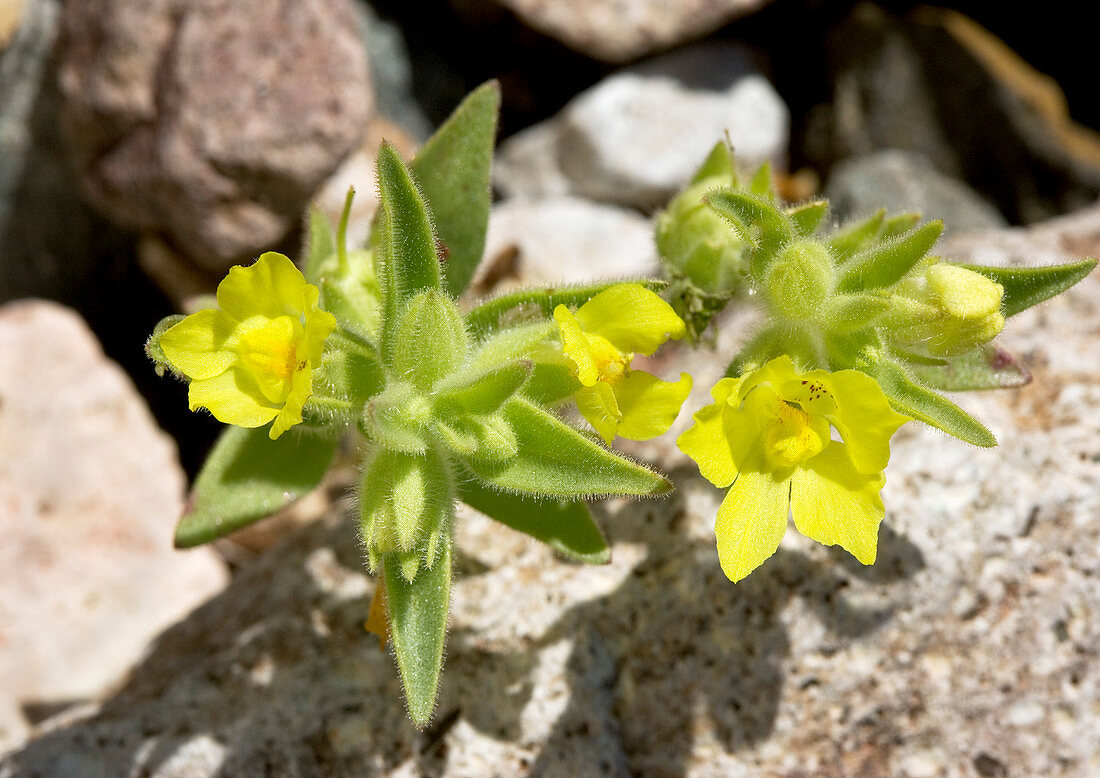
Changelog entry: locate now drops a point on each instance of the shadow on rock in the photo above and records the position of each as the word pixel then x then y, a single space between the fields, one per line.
pixel 276 677
pixel 684 642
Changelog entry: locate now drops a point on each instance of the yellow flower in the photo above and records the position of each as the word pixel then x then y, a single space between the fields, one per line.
pixel 768 436
pixel 252 361
pixel 600 341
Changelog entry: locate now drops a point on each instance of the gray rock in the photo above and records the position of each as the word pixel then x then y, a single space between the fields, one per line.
pixel 391 73
pixel 89 491
pixel 937 84
pixel 52 243
pixel 970 645
pixel 638 136
pixel 903 181
pixel 213 122
pixel 624 30
pixel 563 240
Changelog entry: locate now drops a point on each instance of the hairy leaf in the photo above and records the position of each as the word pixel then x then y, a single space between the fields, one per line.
pixel 808 216
pixel 1028 286
pixel 418 627
pixel 405 247
pixel 885 264
pixel 918 402
pixel 555 460
pixel 566 526
pixel 453 171
pixel 246 477
pixel 988 367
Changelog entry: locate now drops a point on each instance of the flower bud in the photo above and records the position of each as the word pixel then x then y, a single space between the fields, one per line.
pixel 963 310
pixel 800 279
pixel 695 242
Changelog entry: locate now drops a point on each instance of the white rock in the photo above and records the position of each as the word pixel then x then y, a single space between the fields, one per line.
pixel 638 136
pixel 563 240
pixel 90 490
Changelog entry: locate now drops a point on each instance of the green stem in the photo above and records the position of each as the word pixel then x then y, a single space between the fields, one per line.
pixel 342 233
pixel 352 341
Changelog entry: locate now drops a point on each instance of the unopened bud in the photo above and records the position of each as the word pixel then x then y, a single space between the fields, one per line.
pixel 800 279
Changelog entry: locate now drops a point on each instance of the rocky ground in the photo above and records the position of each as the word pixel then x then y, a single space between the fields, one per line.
pixel 969 649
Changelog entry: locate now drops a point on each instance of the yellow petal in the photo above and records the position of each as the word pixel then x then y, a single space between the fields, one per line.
pixel 854 403
pixel 575 346
pixel 197 345
pixel 833 503
pixel 719 431
pixel 268 351
pixel 598 405
pixel 633 318
pixel 751 521
pixel 649 405
pixel 775 373
pixel 272 286
pixel 318 326
pixel 291 412
pixel 225 398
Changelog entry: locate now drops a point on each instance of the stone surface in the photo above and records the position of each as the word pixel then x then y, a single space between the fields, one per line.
pixel 636 137
pixel 89 492
pixel 936 83
pixel 563 240
pixel 213 122
pixel 970 648
pixel 904 181
pixel 623 30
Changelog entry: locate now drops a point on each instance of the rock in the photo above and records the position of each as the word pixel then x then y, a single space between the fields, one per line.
pixel 89 492
pixel 938 84
pixel 52 244
pixel 638 136
pixel 213 122
pixel 624 30
pixel 391 73
pixel 11 12
pixel 969 646
pixel 563 240
pixel 903 181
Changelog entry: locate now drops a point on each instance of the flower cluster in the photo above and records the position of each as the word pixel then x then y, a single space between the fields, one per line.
pixel 600 341
pixel 251 360
pixel 768 436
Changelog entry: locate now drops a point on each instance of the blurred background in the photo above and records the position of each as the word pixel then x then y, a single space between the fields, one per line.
pixel 146 146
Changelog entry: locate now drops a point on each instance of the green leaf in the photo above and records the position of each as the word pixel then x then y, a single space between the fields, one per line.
pixel 246 477
pixel 857 236
pixel 741 208
pixel 430 339
pixel 511 307
pixel 1028 286
pixel 418 627
pixel 566 526
pixel 453 169
pixel 762 183
pixel 885 264
pixel 898 224
pixel 555 460
pixel 920 403
pixel 988 367
pixel 483 392
pixel 718 164
pixel 405 502
pixel 808 216
pixel 847 312
pixel 321 245
pixel 405 249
